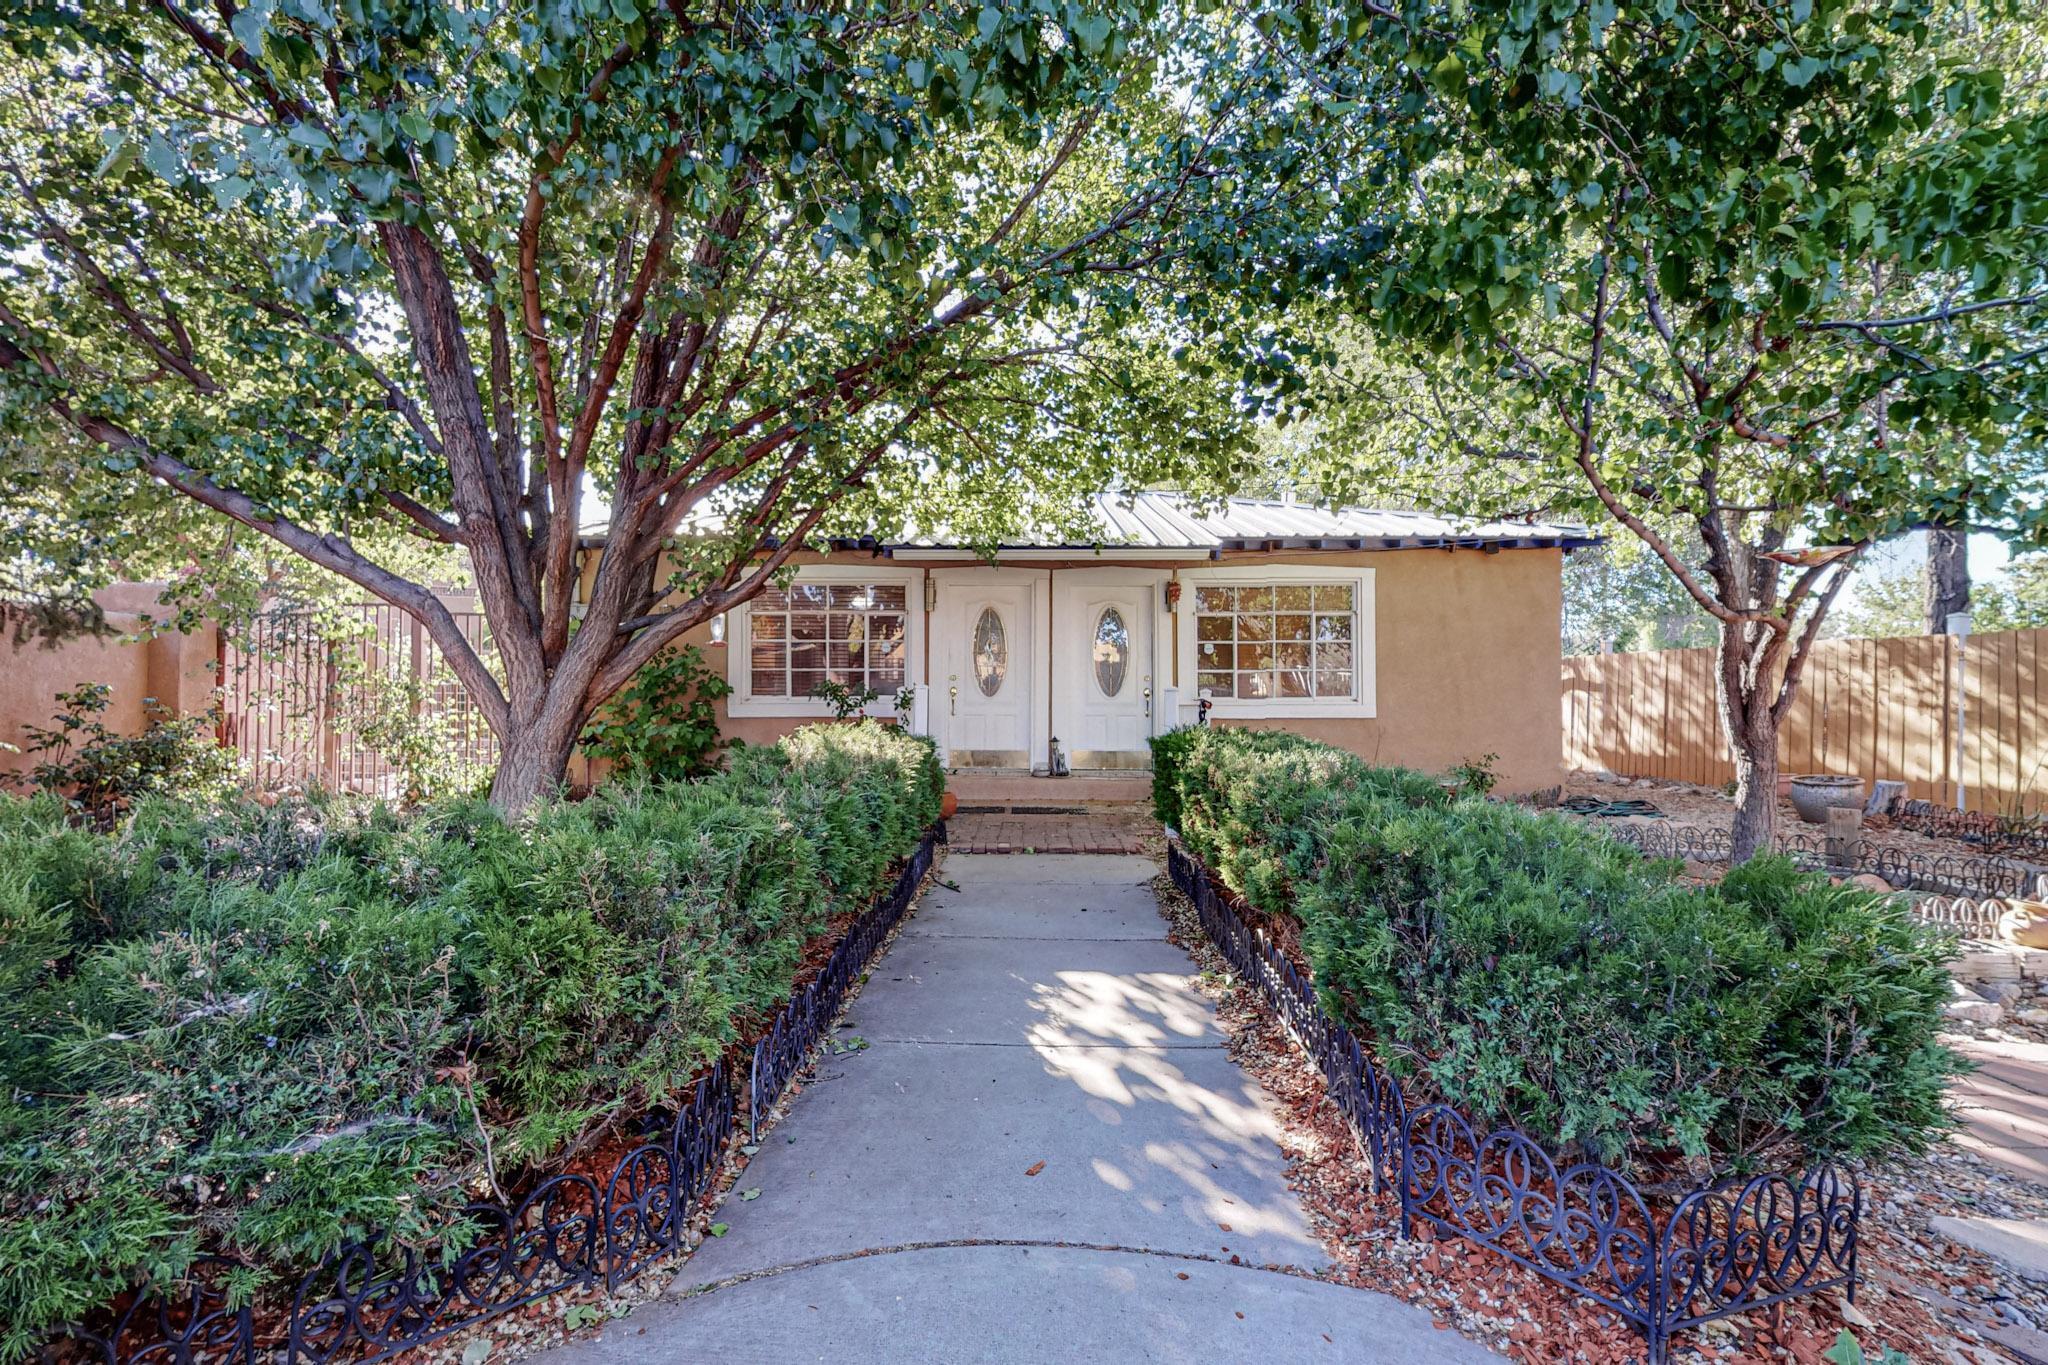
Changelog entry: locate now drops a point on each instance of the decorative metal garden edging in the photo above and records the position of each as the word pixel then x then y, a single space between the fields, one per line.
pixel 2005 833
pixel 1951 875
pixel 1727 1249
pixel 573 1231
pixel 780 1052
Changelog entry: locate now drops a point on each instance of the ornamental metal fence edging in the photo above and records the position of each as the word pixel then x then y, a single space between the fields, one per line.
pixel 1941 874
pixel 1726 1249
pixel 365 1302
pixel 2002 833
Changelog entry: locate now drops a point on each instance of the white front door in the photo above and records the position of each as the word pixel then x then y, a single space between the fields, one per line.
pixel 1105 687
pixel 983 666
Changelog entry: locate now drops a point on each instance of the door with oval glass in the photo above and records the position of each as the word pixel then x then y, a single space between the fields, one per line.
pixel 982 680
pixel 1104 691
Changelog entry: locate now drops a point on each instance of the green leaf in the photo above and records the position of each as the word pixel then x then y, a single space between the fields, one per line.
pixel 1448 75
pixel 1846 1350
pixel 719 1229
pixel 163 160
pixel 248 26
pixel 120 156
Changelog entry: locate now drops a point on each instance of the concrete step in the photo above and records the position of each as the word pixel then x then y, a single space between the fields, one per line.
pixel 1008 787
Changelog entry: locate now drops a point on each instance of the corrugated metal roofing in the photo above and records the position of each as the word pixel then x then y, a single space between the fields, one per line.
pixel 1172 521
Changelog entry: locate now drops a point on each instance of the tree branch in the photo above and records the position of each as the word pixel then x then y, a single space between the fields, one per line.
pixel 328 551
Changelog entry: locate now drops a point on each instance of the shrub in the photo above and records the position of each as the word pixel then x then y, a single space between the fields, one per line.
pixel 664 723
pixel 268 1031
pixel 1541 975
pixel 100 772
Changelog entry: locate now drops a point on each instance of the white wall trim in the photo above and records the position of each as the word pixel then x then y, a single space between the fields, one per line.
pixel 1364 700
pixel 739 642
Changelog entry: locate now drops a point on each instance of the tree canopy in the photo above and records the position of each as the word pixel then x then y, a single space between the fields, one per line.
pixel 1776 273
pixel 752 275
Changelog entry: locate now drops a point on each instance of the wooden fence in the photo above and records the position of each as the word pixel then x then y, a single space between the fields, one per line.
pixel 285 699
pixel 1881 709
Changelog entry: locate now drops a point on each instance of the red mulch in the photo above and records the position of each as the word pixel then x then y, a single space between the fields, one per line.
pixel 1509 1308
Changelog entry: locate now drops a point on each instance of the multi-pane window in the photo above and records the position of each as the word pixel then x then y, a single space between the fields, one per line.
pixel 850 633
pixel 1287 641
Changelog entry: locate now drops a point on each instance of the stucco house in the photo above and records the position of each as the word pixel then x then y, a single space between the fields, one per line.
pixel 1404 637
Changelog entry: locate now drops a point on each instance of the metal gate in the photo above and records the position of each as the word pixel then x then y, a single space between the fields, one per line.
pixel 296 687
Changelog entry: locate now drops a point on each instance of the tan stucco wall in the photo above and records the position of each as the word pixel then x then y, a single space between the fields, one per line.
pixel 178 670
pixel 1466 649
pixel 1468 661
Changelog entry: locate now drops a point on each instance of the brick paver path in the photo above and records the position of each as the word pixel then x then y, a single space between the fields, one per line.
pixel 1113 829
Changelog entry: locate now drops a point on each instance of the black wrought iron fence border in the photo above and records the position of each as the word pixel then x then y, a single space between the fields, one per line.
pixel 365 1303
pixel 2025 832
pixel 1727 1249
pixel 1944 874
pixel 779 1053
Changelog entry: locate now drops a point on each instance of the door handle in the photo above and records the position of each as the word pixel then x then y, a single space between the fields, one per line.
pixel 1148 703
pixel 953 700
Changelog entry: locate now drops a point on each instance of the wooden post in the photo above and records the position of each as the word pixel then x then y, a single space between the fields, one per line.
pixel 1843 825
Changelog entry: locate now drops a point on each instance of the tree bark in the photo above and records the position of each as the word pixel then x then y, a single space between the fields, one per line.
pixel 1747 695
pixel 1948 576
pixel 533 761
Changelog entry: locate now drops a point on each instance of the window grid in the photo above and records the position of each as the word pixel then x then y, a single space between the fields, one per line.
pixel 1286 642
pixel 849 633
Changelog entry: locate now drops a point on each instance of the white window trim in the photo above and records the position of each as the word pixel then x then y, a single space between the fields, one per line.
pixel 739 644
pixel 1362 704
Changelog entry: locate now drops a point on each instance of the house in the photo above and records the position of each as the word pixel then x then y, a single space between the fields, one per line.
pixel 1404 637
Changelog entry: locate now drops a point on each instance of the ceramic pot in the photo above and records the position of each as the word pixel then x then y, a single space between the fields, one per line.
pixel 1815 794
pixel 948 803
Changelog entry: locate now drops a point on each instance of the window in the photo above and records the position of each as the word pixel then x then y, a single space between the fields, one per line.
pixel 1112 651
pixel 1287 641
pixel 991 653
pixel 850 633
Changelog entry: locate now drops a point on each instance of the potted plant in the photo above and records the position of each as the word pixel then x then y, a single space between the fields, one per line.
pixel 1815 794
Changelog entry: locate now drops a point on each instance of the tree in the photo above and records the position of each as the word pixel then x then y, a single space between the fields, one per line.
pixel 2020 601
pixel 1619 596
pixel 751 275
pixel 1886 605
pixel 1947 586
pixel 1774 271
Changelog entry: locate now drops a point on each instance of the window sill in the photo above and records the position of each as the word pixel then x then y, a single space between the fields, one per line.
pixel 793 709
pixel 1235 709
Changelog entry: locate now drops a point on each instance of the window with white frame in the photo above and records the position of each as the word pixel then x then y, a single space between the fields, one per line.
pixel 1277 641
pixel 850 633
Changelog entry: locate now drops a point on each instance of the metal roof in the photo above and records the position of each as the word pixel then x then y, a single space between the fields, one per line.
pixel 1173 521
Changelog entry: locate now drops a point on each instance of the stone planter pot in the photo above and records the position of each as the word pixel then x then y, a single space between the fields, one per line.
pixel 1815 794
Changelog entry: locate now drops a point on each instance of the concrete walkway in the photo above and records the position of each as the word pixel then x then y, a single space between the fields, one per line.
pixel 1041 1154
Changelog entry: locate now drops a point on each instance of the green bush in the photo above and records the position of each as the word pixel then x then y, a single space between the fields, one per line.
pixel 1542 975
pixel 664 723
pixel 268 1030
pixel 99 772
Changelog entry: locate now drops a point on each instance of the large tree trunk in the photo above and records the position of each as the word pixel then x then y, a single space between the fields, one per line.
pixel 1745 690
pixel 1948 576
pixel 534 760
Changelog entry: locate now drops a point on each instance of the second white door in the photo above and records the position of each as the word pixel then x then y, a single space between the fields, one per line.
pixel 1104 689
